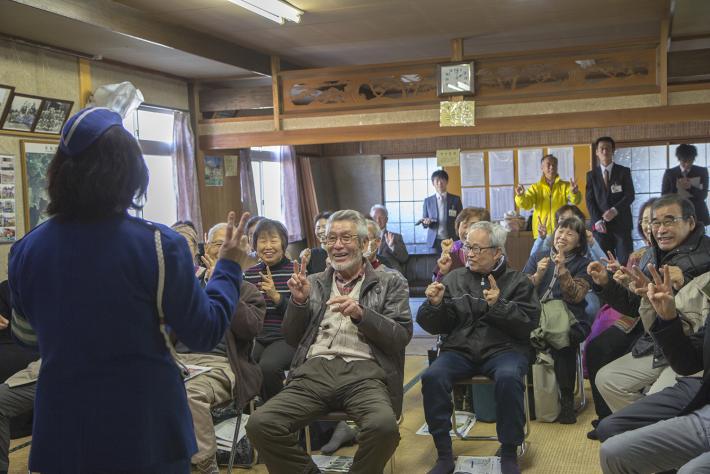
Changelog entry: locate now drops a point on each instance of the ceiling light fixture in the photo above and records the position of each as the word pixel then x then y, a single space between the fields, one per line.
pixel 274 10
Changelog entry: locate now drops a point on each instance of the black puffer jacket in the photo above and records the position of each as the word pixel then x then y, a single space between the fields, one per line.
pixel 692 257
pixel 475 329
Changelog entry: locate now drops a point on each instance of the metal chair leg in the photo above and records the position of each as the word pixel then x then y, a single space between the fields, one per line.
pixel 233 452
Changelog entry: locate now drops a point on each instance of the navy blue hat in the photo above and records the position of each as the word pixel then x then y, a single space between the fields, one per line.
pixel 85 127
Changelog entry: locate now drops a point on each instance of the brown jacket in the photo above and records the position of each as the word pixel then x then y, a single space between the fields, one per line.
pixel 246 324
pixel 386 323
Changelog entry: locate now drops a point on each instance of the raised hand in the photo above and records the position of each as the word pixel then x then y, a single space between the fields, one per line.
pixel 435 293
pixel 542 265
pixel 346 306
pixel 612 264
pixel 660 294
pixel 575 186
pixel 444 263
pixel 639 282
pixel 389 238
pixel 209 263
pixel 236 244
pixel 267 286
pixel 622 278
pixel 307 254
pixel 598 273
pixel 446 245
pixel 541 227
pixel 520 190
pixel 298 283
pixel 491 295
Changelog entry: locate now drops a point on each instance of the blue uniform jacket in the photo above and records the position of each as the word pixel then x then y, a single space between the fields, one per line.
pixel 109 396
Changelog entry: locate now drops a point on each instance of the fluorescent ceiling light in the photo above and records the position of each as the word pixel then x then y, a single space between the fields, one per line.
pixel 274 10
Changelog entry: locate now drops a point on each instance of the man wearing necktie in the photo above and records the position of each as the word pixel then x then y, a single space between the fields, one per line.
pixel 610 192
pixel 440 211
pixel 689 181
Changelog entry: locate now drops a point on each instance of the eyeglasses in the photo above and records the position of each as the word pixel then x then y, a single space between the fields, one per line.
pixel 331 239
pixel 667 222
pixel 475 250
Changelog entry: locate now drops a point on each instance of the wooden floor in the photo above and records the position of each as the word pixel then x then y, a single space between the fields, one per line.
pixel 553 448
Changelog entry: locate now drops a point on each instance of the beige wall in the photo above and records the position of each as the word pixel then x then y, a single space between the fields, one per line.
pixel 38 72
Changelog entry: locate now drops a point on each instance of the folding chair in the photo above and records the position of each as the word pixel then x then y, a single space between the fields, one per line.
pixel 579 386
pixel 233 452
pixel 482 380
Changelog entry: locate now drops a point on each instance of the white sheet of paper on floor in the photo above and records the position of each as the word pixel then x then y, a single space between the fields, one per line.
pixel 477 465
pixel 224 432
pixel 464 422
pixel 333 463
pixel 195 370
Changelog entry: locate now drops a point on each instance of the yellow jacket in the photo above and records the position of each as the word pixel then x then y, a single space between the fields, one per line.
pixel 546 201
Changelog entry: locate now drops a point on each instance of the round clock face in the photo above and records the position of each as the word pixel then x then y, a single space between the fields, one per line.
pixel 455 78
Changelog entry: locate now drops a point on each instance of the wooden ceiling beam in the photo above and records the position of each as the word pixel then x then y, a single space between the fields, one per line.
pixel 135 23
pixel 410 131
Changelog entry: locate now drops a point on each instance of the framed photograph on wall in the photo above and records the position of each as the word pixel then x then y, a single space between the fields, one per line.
pixel 22 113
pixel 34 161
pixel 52 116
pixel 5 95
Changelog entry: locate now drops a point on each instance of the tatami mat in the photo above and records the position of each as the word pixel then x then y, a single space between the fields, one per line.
pixel 553 448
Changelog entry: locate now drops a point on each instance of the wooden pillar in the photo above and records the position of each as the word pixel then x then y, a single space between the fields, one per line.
pixel 84 81
pixel 275 70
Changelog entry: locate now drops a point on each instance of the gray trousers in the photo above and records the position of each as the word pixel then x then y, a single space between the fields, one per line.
pixel 320 386
pixel 13 401
pixel 649 436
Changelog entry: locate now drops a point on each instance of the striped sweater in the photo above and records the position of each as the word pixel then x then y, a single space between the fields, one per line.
pixel 280 272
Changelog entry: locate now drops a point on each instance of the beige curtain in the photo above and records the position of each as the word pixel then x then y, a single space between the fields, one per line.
pixel 185 172
pixel 290 194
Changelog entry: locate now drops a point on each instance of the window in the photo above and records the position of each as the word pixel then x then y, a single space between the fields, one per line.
pixel 407 184
pixel 268 182
pixel 648 164
pixel 153 127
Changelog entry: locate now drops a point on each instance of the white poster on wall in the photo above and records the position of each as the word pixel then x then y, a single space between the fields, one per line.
pixel 501 170
pixel 473 197
pixel 472 168
pixel 565 157
pixel 529 165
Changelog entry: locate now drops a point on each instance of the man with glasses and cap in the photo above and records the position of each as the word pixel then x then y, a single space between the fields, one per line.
pixel 486 311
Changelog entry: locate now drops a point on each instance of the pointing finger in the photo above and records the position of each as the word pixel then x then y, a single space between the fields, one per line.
pixel 492 281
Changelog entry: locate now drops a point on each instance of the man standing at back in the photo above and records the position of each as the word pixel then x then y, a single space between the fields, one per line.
pixel 610 193
pixel 440 211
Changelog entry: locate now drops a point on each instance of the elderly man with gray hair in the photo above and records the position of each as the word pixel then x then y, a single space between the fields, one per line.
pixel 351 325
pixel 487 311
pixel 391 248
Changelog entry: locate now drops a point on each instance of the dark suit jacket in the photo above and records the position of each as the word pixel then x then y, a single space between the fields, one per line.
pixel 697 196
pixel 599 200
pixel 431 210
pixel 393 258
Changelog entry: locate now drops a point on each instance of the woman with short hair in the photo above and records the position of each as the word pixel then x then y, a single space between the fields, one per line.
pixel 561 274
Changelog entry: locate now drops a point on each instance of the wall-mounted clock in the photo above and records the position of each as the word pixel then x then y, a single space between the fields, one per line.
pixel 455 79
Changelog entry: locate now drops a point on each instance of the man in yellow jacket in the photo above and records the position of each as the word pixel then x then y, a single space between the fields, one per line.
pixel 546 196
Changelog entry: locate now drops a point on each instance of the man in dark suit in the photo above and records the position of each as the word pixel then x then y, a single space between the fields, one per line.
pixel 440 211
pixel 689 181
pixel 392 247
pixel 610 193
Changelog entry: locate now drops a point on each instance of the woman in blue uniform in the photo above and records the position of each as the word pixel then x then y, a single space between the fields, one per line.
pixel 92 287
